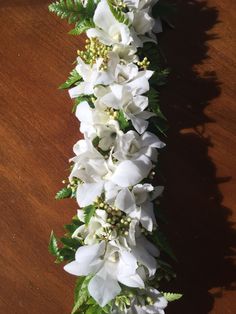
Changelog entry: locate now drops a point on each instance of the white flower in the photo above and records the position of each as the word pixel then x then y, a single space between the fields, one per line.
pixel 143 23
pixel 127 54
pixel 110 263
pixel 97 122
pixel 131 145
pixel 143 250
pixel 108 30
pixel 93 75
pixel 136 203
pixel 150 301
pixel 134 79
pixel 94 170
pixel 121 98
pixel 131 172
pixel 95 229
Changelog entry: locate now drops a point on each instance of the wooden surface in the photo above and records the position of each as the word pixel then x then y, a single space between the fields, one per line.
pixel 38 131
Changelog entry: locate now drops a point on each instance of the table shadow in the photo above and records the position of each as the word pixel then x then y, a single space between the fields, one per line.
pixel 198 224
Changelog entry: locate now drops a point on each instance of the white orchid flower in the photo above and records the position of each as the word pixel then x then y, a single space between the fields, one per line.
pixel 96 228
pixel 150 301
pixel 94 170
pixel 110 263
pixel 127 54
pixel 121 98
pixel 131 145
pixel 144 251
pixel 144 210
pixel 134 79
pixel 94 75
pixel 97 122
pixel 137 6
pixel 143 23
pixel 108 30
pixel 136 203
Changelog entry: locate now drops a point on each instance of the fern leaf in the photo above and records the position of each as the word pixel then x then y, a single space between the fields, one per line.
pixel 88 213
pixel 63 193
pixel 72 79
pixel 67 9
pixel 118 14
pixel 82 27
pixel 170 297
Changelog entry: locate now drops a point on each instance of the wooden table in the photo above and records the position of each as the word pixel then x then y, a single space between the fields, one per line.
pixel 38 131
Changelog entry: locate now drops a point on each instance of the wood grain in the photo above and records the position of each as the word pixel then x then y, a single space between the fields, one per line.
pixel 38 131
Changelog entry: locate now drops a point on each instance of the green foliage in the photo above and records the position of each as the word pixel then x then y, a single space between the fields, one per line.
pixel 82 98
pixel 96 141
pixel 160 77
pixel 73 10
pixel 88 213
pixel 63 193
pixel 123 122
pixel 118 13
pixel 53 245
pixel 66 254
pixel 161 241
pixel 67 9
pixel 73 78
pixel 159 125
pixel 172 296
pixel 82 27
pixel 164 271
pixel 70 242
pixel 72 226
pixel 68 245
pixel 153 99
pixel 81 293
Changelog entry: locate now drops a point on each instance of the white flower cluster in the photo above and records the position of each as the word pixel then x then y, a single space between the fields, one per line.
pixel 112 162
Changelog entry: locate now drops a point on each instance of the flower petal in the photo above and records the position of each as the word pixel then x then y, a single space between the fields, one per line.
pixel 131 172
pixel 103 287
pixel 87 193
pixel 125 201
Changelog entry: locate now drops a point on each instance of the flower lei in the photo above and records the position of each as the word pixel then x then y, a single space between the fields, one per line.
pixel 114 243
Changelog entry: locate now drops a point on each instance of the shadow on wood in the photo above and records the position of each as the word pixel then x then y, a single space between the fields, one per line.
pixel 198 224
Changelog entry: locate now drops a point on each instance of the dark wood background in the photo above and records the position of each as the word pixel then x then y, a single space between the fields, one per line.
pixel 38 131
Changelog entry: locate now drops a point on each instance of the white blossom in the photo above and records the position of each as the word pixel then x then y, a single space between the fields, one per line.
pixel 108 30
pixel 109 263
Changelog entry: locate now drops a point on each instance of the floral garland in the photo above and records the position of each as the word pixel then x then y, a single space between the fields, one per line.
pixel 114 243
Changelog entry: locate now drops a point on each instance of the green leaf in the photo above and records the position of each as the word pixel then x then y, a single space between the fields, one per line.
pixel 96 141
pixel 71 228
pixel 67 9
pixel 81 293
pixel 82 27
pixel 158 124
pixel 67 254
pixel 95 309
pixel 73 78
pixel 82 98
pixel 123 122
pixel 63 193
pixel 53 246
pixel 160 77
pixel 88 213
pixel 117 13
pixel 163 244
pixel 170 297
pixel 73 10
pixel 164 271
pixel 153 99
pixel 70 243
